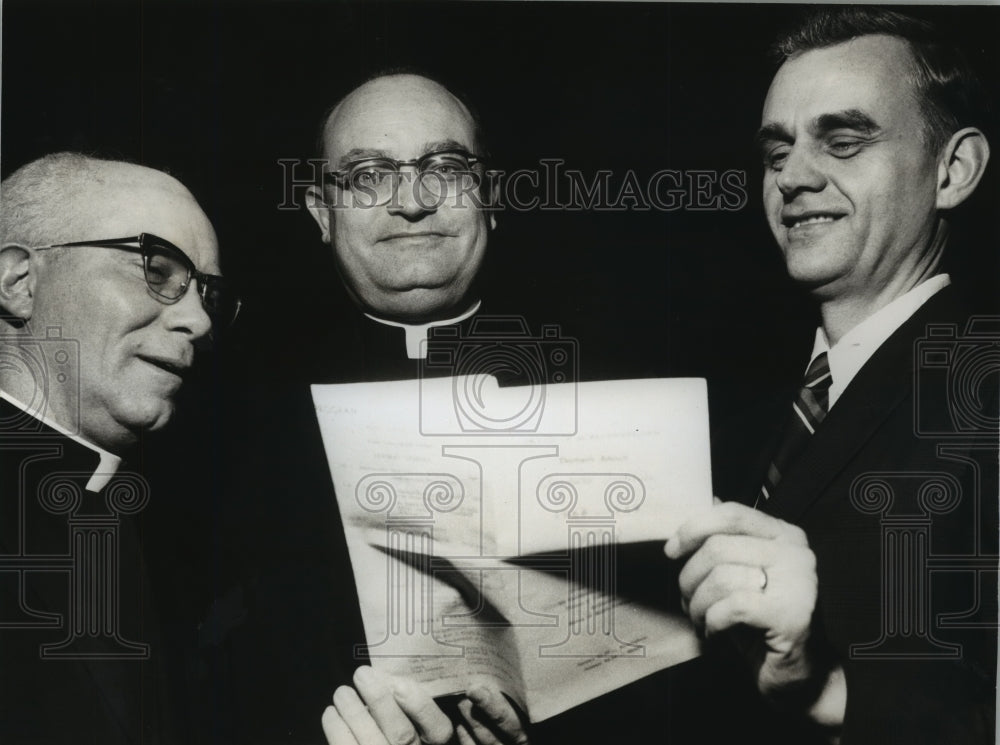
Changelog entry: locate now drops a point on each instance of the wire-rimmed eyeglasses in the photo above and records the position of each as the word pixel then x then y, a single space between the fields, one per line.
pixel 374 181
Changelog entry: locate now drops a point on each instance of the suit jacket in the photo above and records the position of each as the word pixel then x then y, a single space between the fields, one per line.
pixel 897 493
pixel 80 653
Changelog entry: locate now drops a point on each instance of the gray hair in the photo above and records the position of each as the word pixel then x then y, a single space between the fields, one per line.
pixel 49 199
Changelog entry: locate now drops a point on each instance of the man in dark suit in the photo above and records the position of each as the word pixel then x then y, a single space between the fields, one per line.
pixel 108 278
pixel 858 577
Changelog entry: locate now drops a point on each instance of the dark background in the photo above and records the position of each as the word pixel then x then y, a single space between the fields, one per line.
pixel 218 92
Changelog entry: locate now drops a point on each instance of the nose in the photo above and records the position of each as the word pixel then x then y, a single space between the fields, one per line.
pixel 410 199
pixel 187 315
pixel 800 172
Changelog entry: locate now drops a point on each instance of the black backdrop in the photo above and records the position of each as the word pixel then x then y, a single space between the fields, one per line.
pixel 218 92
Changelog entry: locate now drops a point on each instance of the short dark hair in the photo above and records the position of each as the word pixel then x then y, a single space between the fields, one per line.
pixel 951 95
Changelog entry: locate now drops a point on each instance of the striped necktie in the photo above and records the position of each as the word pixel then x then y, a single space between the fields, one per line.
pixel 808 410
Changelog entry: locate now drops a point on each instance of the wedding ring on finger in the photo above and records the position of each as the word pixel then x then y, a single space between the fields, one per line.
pixel 763 579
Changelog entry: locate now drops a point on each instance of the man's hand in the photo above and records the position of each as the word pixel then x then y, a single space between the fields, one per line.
pixel 745 567
pixel 393 711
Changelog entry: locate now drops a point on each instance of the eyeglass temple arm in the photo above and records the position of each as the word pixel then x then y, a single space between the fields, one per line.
pixel 101 243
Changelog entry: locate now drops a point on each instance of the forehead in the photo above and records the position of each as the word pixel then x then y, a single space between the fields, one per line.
pixel 400 116
pixel 159 206
pixel 873 74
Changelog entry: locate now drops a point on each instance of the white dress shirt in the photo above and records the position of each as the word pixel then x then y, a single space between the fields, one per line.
pixel 854 349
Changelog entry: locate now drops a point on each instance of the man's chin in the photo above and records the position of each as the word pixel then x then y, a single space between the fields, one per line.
pixel 822 286
pixel 151 418
pixel 419 305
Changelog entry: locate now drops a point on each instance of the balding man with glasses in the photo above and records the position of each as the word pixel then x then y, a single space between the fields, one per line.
pixel 402 205
pixel 109 279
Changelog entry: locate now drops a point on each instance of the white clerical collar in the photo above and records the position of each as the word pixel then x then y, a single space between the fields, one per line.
pixel 416 334
pixel 109 462
pixel 856 347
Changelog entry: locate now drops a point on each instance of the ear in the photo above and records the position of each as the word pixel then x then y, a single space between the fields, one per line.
pixel 318 209
pixel 962 163
pixel 17 282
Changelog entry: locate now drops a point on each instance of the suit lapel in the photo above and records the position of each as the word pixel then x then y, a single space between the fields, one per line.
pixel 883 385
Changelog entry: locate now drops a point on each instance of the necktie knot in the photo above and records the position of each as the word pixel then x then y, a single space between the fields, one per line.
pixel 808 410
pixel 818 374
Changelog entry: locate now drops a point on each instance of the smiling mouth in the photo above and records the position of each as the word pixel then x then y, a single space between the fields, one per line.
pixel 404 236
pixel 815 218
pixel 174 368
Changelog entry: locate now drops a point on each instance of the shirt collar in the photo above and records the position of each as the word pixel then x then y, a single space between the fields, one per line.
pixel 856 347
pixel 416 334
pixel 109 462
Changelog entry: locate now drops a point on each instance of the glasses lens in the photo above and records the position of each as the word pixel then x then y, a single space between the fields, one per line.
pixel 447 164
pixel 166 274
pixel 219 300
pixel 443 173
pixel 372 181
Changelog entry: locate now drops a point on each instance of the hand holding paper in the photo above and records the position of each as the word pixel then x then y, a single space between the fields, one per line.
pixel 383 710
pixel 747 569
pixel 492 554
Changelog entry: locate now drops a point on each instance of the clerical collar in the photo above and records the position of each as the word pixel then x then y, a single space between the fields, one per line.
pixel 416 334
pixel 108 463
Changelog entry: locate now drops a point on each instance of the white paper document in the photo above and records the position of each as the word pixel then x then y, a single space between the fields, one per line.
pixel 490 529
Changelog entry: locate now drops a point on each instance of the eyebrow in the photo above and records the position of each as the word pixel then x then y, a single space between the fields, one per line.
pixel 438 145
pixel 850 119
pixel 772 132
pixel 853 119
pixel 360 153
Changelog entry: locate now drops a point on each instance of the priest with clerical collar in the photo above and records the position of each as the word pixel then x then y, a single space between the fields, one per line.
pixel 401 204
pixel 101 303
pixel 20 420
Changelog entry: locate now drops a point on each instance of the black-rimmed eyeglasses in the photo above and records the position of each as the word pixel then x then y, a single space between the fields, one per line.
pixel 374 180
pixel 169 272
